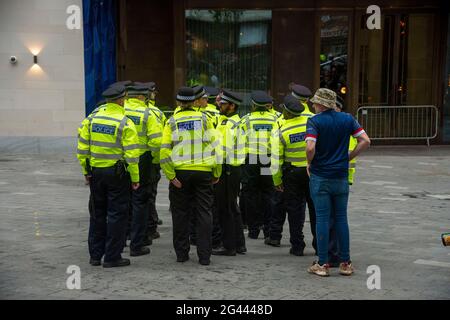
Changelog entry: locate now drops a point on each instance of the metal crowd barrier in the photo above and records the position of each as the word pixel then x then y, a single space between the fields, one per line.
pixel 399 122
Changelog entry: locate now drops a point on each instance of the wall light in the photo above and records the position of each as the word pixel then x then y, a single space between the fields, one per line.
pixel 35 60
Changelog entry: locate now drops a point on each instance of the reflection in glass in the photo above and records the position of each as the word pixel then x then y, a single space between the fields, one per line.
pixel 333 53
pixel 229 49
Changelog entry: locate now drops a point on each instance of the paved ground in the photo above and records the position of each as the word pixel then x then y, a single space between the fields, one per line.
pixel 399 207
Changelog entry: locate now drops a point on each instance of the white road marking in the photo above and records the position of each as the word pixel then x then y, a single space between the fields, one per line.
pixel 382 167
pixel 391 212
pixel 3 183
pixel 433 263
pixel 385 243
pixel 427 163
pixel 439 196
pixel 42 173
pixel 397 187
pixel 378 183
pixel 366 160
pixel 24 193
pixel 395 199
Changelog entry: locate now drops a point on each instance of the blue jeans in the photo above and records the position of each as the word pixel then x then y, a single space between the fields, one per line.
pixel 330 197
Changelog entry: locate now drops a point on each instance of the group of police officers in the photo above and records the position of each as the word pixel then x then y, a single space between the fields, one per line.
pixel 225 172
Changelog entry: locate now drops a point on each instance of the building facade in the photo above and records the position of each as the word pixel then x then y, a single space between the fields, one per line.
pixel 261 44
pixel 240 45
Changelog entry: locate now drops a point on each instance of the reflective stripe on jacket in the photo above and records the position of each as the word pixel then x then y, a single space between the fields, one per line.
pixel 258 127
pixel 289 146
pixel 107 137
pixel 233 139
pixel 190 142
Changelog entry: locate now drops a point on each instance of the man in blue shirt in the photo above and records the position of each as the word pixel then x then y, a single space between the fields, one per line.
pixel 327 154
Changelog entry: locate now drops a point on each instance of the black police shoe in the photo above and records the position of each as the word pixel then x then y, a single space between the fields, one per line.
pixel 95 262
pixel 223 252
pixel 119 263
pixel 183 258
pixel 155 235
pixel 241 250
pixel 139 252
pixel 147 242
pixel 296 252
pixel 253 234
pixel 271 242
pixel 204 262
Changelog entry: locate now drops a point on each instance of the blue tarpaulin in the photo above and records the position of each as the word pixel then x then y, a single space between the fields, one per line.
pixel 99 23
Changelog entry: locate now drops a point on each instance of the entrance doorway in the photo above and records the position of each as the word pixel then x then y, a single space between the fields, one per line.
pixel 396 62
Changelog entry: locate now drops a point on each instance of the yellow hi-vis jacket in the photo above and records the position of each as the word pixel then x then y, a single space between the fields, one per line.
pixel 161 119
pixel 211 112
pixel 258 127
pixel 148 128
pixel 275 112
pixel 190 142
pixel 352 165
pixel 107 137
pixel 307 112
pixel 233 139
pixel 160 116
pixel 288 145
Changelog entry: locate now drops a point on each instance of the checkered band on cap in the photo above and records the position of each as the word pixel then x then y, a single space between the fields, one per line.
pixel 229 99
pixel 185 98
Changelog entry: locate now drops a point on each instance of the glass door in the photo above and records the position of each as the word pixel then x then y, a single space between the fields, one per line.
pixel 396 62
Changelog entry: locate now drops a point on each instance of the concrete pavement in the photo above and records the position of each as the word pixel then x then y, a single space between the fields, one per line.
pixel 399 206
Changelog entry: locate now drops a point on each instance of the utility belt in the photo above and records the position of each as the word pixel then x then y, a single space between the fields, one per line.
pixel 119 169
pixel 289 167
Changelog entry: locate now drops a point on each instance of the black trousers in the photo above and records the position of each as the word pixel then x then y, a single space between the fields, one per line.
pixel 155 176
pixel 140 202
pixel 243 196
pixel 216 231
pixel 258 198
pixel 230 220
pixel 197 191
pixel 293 202
pixel 110 194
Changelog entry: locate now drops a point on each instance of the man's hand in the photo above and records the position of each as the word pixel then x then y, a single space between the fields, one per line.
pixel 135 185
pixel 279 188
pixel 87 180
pixel 307 170
pixel 215 180
pixel 176 183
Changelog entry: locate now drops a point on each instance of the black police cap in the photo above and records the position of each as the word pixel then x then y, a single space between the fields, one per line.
pixel 230 97
pixel 186 94
pixel 137 90
pixel 125 83
pixel 261 98
pixel 292 105
pixel 150 85
pixel 114 92
pixel 212 92
pixel 199 91
pixel 301 92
